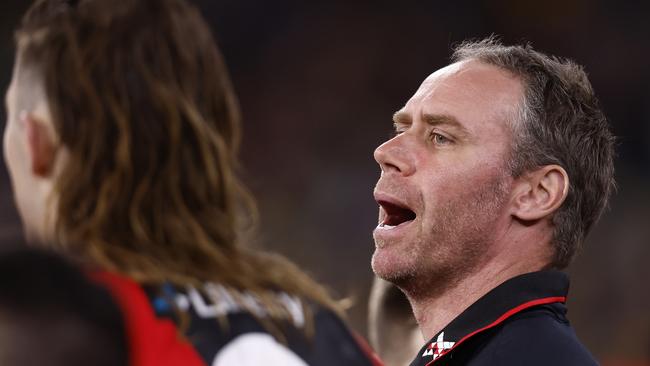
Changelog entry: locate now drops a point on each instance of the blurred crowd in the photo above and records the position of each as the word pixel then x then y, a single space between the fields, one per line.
pixel 318 83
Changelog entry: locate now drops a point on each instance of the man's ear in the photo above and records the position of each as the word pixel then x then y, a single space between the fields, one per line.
pixel 41 145
pixel 540 193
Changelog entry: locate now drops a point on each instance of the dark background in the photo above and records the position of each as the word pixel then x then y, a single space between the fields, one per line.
pixel 318 83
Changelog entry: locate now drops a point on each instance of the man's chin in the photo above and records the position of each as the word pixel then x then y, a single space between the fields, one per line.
pixel 392 265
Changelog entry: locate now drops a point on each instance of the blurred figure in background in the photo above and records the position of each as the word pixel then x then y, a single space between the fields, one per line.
pixel 501 164
pixel 121 142
pixel 52 314
pixel 392 329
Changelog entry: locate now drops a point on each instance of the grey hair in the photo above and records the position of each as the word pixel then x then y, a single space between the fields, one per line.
pixel 558 121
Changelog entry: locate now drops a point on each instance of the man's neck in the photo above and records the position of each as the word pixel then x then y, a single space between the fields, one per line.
pixel 434 311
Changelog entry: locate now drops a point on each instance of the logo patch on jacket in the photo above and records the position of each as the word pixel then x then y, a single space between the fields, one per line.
pixel 436 348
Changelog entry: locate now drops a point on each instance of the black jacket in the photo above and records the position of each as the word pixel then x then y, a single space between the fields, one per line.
pixel 520 322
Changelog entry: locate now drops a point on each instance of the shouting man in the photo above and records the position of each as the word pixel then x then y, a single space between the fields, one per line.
pixel 501 163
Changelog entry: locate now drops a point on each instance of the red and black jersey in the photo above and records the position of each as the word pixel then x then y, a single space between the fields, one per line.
pixel 152 322
pixel 520 322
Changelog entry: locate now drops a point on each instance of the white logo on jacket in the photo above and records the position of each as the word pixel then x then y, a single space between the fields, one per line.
pixel 437 347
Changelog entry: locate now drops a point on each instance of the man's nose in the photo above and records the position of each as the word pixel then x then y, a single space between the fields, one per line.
pixel 395 156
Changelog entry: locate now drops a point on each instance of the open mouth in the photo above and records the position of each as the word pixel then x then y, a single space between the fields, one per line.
pixel 395 214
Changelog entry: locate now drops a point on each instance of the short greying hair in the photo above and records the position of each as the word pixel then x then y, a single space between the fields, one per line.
pixel 559 122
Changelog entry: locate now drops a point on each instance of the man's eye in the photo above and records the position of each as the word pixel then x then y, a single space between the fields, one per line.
pixel 439 139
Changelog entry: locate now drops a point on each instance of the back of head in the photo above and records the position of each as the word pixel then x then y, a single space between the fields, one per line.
pixel 142 104
pixel 50 314
pixel 559 122
pixel 140 99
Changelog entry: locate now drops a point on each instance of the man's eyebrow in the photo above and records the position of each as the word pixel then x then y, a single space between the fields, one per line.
pixel 443 119
pixel 403 118
pixel 448 121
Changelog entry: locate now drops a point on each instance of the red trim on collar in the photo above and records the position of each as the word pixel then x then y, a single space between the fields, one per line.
pixel 502 318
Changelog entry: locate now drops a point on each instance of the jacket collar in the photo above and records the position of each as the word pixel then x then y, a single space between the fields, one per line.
pixel 509 298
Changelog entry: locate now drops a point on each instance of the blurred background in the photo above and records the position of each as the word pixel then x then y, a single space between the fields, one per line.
pixel 318 83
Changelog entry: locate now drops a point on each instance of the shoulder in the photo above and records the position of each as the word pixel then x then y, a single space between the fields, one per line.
pixel 330 342
pixel 256 348
pixel 323 339
pixel 216 330
pixel 335 344
pixel 540 336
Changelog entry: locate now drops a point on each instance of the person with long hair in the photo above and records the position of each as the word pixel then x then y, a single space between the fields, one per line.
pixel 121 142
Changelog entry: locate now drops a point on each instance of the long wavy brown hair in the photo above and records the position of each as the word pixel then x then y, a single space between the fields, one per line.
pixel 141 99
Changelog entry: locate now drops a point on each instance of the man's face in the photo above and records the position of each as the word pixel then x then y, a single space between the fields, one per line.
pixel 444 187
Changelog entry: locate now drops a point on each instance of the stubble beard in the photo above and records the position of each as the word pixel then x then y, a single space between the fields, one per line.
pixel 456 243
